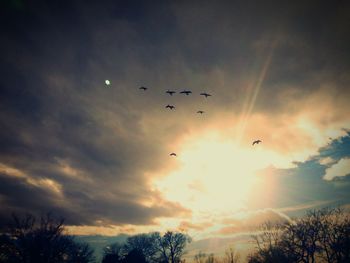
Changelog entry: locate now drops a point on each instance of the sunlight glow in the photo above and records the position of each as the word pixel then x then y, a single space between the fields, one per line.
pixel 216 174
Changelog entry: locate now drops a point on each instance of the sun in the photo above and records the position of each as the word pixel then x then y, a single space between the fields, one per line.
pixel 215 174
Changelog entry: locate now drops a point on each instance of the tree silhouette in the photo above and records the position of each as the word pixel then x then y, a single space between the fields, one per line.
pixel 172 246
pixel 135 256
pixel 210 259
pixel 231 256
pixel 272 254
pixel 268 245
pixel 79 253
pixel 200 257
pixel 153 248
pixel 111 258
pixel 29 241
pixel 320 236
pixel 147 244
pixel 113 253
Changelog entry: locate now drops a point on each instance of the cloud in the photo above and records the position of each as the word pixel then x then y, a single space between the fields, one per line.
pixel 304 184
pixel 44 183
pixel 339 169
pixel 251 221
pixel 66 169
pixel 304 207
pixel 326 161
pixel 187 225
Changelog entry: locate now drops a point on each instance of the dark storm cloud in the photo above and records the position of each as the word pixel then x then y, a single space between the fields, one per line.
pixel 17 196
pixel 60 122
pixel 308 42
pixel 56 113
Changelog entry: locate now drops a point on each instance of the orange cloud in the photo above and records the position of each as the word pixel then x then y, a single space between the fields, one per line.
pixel 187 225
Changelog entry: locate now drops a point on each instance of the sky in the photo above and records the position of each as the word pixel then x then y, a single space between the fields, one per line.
pixel 99 155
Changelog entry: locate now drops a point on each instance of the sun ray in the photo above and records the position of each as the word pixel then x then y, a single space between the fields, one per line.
pixel 252 94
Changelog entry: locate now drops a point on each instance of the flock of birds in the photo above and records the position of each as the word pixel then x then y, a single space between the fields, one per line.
pixel 172 107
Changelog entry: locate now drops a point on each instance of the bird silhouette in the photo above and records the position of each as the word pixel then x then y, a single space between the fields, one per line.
pixel 143 88
pixel 256 142
pixel 170 92
pixel 170 107
pixel 205 94
pixel 187 92
pixel 200 112
pixel 173 154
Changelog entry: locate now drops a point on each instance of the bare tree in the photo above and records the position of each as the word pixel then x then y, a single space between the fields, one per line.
pixel 210 258
pixel 333 234
pixel 268 247
pixel 172 245
pixel 153 247
pixel 147 244
pixel 231 256
pixel 134 256
pixel 320 236
pixel 200 257
pixel 25 240
pixel 113 253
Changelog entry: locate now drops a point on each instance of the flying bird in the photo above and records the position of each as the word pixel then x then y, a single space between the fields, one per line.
pixel 256 142
pixel 173 154
pixel 143 88
pixel 170 107
pixel 187 92
pixel 205 94
pixel 200 112
pixel 170 92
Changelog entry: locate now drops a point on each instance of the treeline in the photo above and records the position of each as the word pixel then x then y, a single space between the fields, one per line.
pixel 28 240
pixel 230 256
pixel 148 248
pixel 320 236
